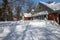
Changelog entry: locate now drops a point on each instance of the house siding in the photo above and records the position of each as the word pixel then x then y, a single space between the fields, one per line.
pixel 54 17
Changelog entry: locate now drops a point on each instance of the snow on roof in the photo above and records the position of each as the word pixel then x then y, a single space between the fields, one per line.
pixel 27 14
pixel 41 13
pixel 54 6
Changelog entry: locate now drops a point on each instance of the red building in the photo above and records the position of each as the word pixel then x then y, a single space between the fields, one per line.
pixel 27 16
pixel 53 16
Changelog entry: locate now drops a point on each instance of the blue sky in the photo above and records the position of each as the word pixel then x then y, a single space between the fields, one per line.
pixel 42 0
pixel 47 0
pixel 36 1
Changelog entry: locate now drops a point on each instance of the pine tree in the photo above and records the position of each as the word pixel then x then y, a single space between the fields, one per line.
pixel 7 13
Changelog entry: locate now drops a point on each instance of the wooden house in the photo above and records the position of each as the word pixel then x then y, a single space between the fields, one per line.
pixel 27 16
pixel 40 15
pixel 53 14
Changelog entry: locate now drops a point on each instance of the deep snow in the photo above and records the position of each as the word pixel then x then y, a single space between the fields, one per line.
pixel 30 30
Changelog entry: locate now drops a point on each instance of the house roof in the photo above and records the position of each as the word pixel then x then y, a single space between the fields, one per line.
pixel 41 13
pixel 42 7
pixel 54 6
pixel 27 14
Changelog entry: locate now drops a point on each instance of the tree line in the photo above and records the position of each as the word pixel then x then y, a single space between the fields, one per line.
pixel 10 9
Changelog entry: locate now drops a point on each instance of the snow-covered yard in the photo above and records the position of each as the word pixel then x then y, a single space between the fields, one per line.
pixel 30 30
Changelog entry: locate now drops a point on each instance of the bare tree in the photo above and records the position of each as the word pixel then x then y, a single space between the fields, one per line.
pixel 30 5
pixel 11 7
pixel 18 12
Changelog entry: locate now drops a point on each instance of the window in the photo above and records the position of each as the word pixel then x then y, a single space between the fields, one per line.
pixel 40 17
